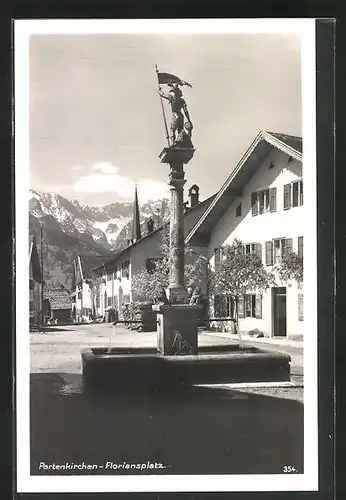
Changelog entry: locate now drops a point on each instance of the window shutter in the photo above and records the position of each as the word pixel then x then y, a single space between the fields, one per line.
pixel 288 246
pixel 301 193
pixel 217 306
pixel 254 203
pixel 269 253
pixel 258 250
pixel 258 307
pixel 300 307
pixel 272 199
pixel 300 246
pixel 287 196
pixel 241 307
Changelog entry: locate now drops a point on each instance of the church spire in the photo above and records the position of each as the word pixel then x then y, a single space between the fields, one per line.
pixel 136 226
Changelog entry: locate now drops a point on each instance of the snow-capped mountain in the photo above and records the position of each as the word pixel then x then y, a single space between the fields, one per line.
pixel 94 232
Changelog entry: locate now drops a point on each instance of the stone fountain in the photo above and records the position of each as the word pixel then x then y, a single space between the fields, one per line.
pixel 177 361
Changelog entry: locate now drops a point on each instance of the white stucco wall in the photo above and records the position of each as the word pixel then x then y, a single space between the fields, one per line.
pixel 265 227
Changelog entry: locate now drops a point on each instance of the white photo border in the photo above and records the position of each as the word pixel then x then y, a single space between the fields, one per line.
pixel 308 481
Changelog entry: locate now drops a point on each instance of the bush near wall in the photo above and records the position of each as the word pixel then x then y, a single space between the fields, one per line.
pixel 140 311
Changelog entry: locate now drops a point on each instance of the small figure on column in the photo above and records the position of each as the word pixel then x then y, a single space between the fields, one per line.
pixel 180 131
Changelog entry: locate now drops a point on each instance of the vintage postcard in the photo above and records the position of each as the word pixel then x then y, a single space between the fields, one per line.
pixel 166 225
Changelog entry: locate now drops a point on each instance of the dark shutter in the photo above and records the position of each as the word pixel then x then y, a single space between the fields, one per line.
pixel 300 307
pixel 217 306
pixel 254 203
pixel 258 250
pixel 301 193
pixel 287 196
pixel 288 246
pixel 269 253
pixel 241 307
pixel 258 307
pixel 300 246
pixel 272 199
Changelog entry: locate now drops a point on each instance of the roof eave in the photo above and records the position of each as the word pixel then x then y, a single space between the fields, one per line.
pixel 263 135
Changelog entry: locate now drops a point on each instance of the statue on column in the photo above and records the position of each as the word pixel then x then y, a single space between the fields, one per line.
pixel 180 128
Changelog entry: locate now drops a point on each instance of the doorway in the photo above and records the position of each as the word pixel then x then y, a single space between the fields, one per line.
pixel 279 308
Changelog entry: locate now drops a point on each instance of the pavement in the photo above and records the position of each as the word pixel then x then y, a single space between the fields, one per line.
pixel 205 430
pixel 60 346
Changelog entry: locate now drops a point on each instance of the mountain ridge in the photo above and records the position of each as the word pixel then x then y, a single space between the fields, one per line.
pixel 91 231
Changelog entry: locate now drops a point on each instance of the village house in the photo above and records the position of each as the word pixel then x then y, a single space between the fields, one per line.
pixel 116 274
pixel 83 308
pixel 58 305
pixel 35 283
pixel 261 204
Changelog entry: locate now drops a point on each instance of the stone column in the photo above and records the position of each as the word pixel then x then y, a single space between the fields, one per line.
pixel 177 292
pixel 177 321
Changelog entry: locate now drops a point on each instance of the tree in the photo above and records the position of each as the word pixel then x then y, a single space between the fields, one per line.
pixel 148 284
pixel 237 273
pixel 291 268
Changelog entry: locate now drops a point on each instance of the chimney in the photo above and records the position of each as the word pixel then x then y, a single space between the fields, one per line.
pixel 193 195
pixel 150 225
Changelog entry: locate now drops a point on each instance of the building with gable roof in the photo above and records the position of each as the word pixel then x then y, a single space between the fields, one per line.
pixel 58 304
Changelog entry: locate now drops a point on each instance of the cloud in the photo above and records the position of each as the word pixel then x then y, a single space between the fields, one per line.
pixel 77 168
pixel 107 179
pixel 106 168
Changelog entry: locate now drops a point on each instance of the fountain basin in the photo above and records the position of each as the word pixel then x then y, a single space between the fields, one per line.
pixel 138 368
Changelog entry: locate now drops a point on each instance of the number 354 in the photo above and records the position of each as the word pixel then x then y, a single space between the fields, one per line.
pixel 289 468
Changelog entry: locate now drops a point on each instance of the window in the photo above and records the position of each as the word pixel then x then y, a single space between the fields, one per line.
pixel 223 306
pixel 293 194
pixel 300 247
pixel 109 276
pixel 300 307
pixel 238 211
pixel 277 249
pixel 79 295
pixel 249 248
pixel 263 201
pixel 217 255
pixel 97 301
pixel 109 301
pixel 125 269
pixel 250 306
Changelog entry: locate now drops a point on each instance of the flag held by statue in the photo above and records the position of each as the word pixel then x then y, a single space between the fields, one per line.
pixel 168 78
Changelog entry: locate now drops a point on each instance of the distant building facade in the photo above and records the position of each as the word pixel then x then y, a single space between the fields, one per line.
pixel 35 283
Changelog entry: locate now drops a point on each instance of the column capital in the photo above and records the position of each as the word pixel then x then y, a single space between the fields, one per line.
pixel 176 183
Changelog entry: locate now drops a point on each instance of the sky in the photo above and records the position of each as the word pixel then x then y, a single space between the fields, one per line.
pixel 96 124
